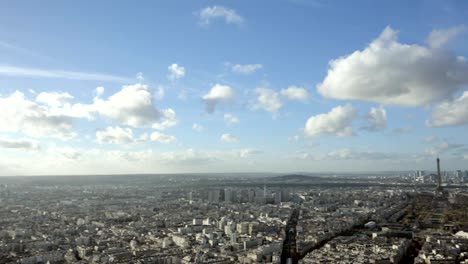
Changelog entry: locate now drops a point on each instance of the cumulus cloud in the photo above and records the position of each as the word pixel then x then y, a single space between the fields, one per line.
pixel 229 138
pixel 209 14
pixel 295 93
pixel 219 94
pixel 389 72
pixel 377 119
pixel 168 119
pixel 245 153
pixel 133 106
pixel 53 99
pixel 439 37
pixel 52 114
pixel 175 72
pixel 18 144
pixel 267 100
pixel 18 114
pixel 99 90
pixel 336 122
pixel 115 135
pixel 197 127
pixel 450 113
pixel 162 138
pixel 230 119
pixel 59 104
pixel 246 68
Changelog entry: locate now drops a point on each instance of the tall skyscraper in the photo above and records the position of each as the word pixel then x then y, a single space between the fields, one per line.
pixel 228 195
pixel 213 196
pixel 439 177
pixel 278 197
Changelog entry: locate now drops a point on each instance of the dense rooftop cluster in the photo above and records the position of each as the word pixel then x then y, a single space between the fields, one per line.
pixel 211 221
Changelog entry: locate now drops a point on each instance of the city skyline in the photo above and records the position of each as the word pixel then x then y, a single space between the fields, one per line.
pixel 203 87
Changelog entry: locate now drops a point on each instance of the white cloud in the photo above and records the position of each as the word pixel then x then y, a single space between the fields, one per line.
pixel 115 135
pixel 18 144
pixel 268 100
pixel 295 93
pixel 77 110
pixel 189 156
pixel 209 14
pixel 246 68
pixel 54 99
pixel 439 37
pixel 140 77
pixel 175 72
pixel 133 106
pixel 336 122
pixel 99 90
pixel 219 94
pixel 389 72
pixel 230 119
pixel 348 154
pixel 168 119
pixel 377 119
pixel 450 113
pixel 442 148
pixel 8 70
pixel 245 153
pixel 162 138
pixel 229 138
pixel 197 127
pixel 18 114
pixel 52 114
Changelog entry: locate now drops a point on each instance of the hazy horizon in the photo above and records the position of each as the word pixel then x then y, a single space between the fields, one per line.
pixel 306 173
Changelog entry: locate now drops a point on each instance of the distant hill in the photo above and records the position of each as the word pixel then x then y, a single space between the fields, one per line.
pixel 295 177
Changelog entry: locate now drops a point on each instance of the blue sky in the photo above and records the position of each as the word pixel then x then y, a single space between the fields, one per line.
pixel 203 86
